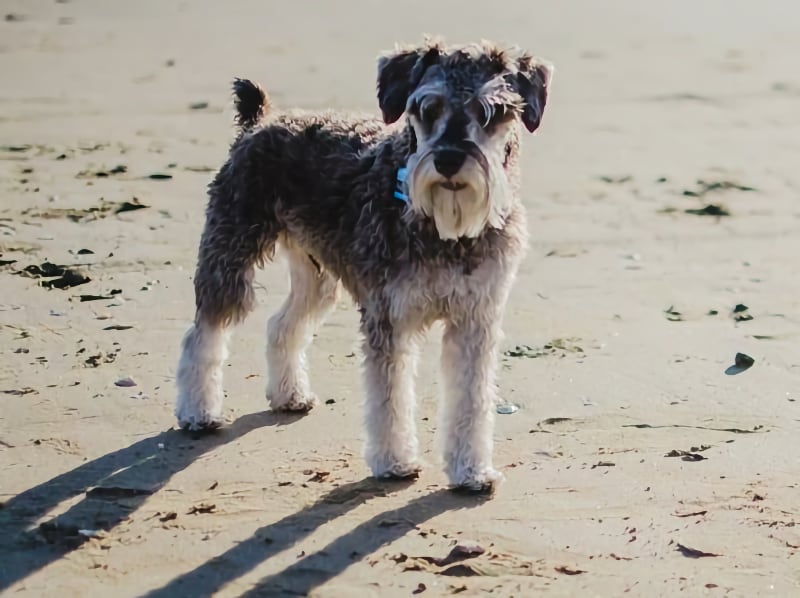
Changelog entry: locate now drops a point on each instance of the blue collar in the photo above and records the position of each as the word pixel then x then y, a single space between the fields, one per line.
pixel 400 187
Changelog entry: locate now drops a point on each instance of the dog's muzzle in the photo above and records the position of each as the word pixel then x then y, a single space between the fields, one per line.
pixel 451 185
pixel 449 160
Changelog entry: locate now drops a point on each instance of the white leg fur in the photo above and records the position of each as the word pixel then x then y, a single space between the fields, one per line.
pixel 467 416
pixel 390 368
pixel 199 377
pixel 313 294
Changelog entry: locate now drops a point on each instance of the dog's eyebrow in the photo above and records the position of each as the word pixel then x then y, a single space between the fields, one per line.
pixel 497 91
pixel 433 88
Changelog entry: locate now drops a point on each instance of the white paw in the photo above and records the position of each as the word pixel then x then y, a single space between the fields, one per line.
pixel 294 401
pixel 393 468
pixel 201 410
pixel 480 481
pixel 205 420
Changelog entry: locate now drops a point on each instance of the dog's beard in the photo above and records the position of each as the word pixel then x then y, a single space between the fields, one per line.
pixel 462 213
pixel 482 203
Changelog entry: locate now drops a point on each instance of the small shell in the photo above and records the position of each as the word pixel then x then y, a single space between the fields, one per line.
pixel 743 361
pixel 507 409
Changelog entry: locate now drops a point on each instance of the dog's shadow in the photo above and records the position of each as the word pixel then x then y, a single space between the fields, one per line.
pixel 128 476
pixel 125 477
pixel 312 570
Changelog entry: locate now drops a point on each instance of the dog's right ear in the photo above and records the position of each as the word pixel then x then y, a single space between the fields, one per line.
pixel 398 75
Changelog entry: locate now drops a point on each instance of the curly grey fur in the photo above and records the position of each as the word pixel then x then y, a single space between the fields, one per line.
pixel 320 185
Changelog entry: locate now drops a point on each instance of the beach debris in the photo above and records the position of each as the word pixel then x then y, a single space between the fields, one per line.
pixel 118 327
pixel 20 392
pixel 744 361
pixel 56 532
pixel 96 212
pixel 692 514
pixel 550 421
pixel 524 351
pixel 685 455
pixel 741 363
pixel 673 315
pixel 704 187
pixel 741 313
pixel 85 298
pixel 557 346
pixel 468 559
pixel 170 516
pixel 616 180
pixel 604 464
pixel 130 206
pixel 554 420
pixel 566 570
pixel 58 277
pixel 459 552
pixel 102 174
pixel 125 382
pixel 159 176
pixel 318 476
pixel 693 553
pixel 507 408
pixel 202 509
pixel 709 210
pixel 617 557
pixel 99 358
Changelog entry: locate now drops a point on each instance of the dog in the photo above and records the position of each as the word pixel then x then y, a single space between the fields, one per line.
pixel 419 219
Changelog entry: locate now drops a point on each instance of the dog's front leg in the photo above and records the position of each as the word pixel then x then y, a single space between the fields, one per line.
pixel 390 354
pixel 469 360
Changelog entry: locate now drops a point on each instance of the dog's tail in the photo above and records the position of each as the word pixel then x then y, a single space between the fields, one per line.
pixel 251 101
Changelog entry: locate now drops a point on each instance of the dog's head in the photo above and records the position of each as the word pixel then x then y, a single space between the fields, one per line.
pixel 465 108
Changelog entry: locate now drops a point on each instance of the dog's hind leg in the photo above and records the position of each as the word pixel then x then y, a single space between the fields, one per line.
pixel 313 293
pixel 230 248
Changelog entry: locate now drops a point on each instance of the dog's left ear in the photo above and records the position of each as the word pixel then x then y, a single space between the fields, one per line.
pixel 398 75
pixel 532 83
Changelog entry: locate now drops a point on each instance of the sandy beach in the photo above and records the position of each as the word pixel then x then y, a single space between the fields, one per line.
pixel 662 196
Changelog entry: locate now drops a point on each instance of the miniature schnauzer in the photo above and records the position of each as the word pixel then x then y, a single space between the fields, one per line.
pixel 419 220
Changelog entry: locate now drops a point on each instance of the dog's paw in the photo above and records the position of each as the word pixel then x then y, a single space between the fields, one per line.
pixel 294 402
pixel 205 422
pixel 484 481
pixel 385 467
pixel 401 471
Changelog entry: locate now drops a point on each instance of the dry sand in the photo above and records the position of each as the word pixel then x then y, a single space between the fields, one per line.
pixel 647 100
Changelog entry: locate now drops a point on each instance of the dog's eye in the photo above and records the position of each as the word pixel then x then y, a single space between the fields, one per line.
pixel 430 111
pixel 491 114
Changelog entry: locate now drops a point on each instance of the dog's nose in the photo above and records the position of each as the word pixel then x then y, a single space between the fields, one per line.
pixel 448 161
